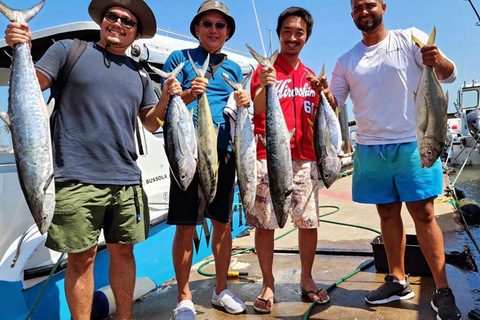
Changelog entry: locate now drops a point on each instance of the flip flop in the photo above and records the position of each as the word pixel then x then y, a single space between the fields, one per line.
pixel 306 293
pixel 261 310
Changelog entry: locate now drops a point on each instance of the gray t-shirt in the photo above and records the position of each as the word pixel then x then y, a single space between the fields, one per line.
pixel 93 135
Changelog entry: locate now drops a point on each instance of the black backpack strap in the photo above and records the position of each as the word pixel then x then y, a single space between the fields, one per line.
pixel 76 50
pixel 144 77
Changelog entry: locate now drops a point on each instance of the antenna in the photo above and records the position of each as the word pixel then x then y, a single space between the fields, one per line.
pixel 259 31
pixel 478 16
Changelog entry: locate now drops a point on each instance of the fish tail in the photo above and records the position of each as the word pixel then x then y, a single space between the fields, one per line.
pixel 20 16
pixel 265 62
pixel 167 75
pixel 322 72
pixel 431 38
pixel 199 72
pixel 417 42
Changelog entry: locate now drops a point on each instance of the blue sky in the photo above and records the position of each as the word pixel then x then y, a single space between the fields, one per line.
pixel 333 34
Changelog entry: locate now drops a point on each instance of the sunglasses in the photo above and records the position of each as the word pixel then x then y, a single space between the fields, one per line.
pixel 113 17
pixel 209 24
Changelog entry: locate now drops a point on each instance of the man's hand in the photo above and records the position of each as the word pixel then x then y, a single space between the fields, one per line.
pixel 199 86
pixel 242 98
pixel 172 87
pixel 267 76
pixel 18 33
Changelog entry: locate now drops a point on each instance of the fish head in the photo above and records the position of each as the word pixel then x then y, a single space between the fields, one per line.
pixel 331 167
pixel 430 150
pixel 46 214
pixel 186 172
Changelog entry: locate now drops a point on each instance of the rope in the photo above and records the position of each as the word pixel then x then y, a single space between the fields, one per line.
pixel 52 273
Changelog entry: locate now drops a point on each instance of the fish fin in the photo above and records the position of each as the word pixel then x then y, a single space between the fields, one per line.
pixel 50 106
pixel 166 75
pixel 417 42
pixel 322 72
pixel 235 86
pixel 309 74
pixel 191 112
pixel 431 38
pixel 47 183
pixel 292 133
pixel 21 16
pixel 423 125
pixel 310 122
pixel 246 79
pixel 288 192
pixel 160 122
pixel 262 140
pixel 180 142
pixel 311 132
pixel 199 72
pixel 6 118
pixel 265 62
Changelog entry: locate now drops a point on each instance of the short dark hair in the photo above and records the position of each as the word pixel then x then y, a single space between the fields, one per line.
pixel 298 12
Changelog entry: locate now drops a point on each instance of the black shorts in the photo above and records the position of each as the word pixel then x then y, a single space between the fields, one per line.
pixel 189 207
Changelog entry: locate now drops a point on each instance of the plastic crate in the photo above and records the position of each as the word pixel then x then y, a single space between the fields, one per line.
pixel 415 262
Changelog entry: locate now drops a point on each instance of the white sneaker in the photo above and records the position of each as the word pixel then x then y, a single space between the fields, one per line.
pixel 185 310
pixel 228 301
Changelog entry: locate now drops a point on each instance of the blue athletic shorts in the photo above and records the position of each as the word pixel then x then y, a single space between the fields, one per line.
pixel 392 173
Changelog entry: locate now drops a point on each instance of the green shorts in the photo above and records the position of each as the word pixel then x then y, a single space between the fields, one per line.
pixel 82 210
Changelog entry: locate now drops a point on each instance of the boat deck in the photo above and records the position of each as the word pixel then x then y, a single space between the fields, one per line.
pixel 340 251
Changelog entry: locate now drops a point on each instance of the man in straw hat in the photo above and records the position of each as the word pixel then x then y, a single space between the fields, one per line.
pixel 212 26
pixel 98 183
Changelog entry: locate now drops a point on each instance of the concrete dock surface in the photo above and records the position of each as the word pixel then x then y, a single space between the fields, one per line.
pixel 340 251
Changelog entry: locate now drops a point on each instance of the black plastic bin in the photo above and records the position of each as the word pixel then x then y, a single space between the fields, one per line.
pixel 415 263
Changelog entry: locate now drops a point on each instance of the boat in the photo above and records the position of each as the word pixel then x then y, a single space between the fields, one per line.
pixel 462 143
pixel 26 264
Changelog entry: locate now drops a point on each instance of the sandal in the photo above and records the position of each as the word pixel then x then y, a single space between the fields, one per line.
pixel 262 310
pixel 306 293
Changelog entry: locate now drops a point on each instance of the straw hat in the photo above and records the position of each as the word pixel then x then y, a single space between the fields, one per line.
pixel 209 5
pixel 139 8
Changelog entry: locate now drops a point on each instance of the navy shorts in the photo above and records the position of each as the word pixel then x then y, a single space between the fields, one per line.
pixel 392 173
pixel 189 207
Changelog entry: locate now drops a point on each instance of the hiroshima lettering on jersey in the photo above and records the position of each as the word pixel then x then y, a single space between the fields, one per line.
pixel 285 90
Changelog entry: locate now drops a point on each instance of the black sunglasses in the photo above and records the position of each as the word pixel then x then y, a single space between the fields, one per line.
pixel 209 24
pixel 113 17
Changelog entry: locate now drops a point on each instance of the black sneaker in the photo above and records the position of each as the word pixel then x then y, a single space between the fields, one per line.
pixel 443 303
pixel 390 291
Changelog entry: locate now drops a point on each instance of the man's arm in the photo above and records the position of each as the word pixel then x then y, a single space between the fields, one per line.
pixel 432 56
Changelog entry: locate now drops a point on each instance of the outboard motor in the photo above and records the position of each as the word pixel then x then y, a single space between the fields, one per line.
pixel 473 122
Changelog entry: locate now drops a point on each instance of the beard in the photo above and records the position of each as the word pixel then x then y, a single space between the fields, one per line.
pixel 370 26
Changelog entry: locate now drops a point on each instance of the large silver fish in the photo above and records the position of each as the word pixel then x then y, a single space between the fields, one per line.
pixel 277 145
pixel 245 148
pixel 206 139
pixel 431 113
pixel 180 139
pixel 28 120
pixel 327 139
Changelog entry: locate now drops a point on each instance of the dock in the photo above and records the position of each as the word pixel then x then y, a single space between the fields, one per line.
pixel 341 251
